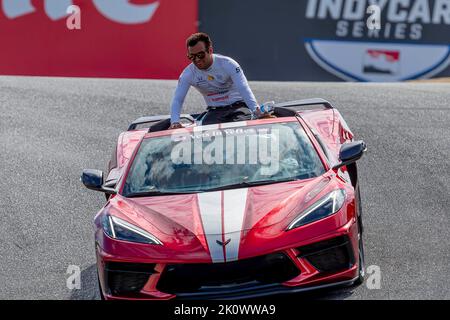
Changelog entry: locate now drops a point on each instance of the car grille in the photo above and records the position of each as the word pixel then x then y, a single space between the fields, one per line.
pixel 331 255
pixel 127 278
pixel 182 278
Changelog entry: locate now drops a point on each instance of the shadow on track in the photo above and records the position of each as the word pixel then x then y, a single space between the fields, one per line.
pixel 90 290
pixel 89 285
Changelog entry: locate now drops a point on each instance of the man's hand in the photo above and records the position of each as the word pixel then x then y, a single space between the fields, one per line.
pixel 257 114
pixel 266 115
pixel 176 125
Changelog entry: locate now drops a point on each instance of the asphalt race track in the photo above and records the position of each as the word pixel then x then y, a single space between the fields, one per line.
pixel 53 128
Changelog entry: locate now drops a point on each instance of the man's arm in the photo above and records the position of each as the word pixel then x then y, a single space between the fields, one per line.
pixel 241 84
pixel 178 98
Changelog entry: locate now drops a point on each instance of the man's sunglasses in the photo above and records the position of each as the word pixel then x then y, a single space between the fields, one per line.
pixel 199 55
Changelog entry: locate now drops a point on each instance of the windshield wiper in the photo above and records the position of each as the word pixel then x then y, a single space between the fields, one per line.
pixel 244 184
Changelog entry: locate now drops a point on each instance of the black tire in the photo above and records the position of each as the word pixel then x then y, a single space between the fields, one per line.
pixel 361 259
pixel 102 297
pixel 361 263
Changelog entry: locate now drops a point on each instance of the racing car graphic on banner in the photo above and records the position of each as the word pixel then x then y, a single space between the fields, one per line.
pixel 378 61
pixel 197 213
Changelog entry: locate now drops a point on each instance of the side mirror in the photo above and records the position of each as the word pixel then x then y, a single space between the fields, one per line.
pixel 93 180
pixel 351 152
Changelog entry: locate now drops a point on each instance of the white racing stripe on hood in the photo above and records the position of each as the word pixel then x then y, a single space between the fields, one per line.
pixel 210 205
pixel 234 212
pixel 211 213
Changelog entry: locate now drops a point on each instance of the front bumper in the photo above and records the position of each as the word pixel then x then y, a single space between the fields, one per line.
pixel 325 261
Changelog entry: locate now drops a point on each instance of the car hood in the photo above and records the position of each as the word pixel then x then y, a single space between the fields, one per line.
pixel 222 212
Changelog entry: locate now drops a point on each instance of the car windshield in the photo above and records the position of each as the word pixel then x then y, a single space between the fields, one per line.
pixel 210 158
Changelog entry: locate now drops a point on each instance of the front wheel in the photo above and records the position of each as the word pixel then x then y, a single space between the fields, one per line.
pixel 102 297
pixel 361 263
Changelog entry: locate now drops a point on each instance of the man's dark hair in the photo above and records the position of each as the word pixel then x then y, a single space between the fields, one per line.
pixel 197 37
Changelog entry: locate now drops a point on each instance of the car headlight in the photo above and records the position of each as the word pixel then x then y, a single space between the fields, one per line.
pixel 324 207
pixel 119 229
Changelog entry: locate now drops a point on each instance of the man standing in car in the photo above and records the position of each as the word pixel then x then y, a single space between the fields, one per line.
pixel 219 79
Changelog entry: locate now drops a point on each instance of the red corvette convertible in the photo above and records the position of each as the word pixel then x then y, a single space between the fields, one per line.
pixel 231 210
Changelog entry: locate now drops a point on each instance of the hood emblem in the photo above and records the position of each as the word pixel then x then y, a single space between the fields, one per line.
pixel 223 244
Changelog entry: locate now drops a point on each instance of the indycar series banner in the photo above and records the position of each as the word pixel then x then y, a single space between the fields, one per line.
pixel 96 38
pixel 326 40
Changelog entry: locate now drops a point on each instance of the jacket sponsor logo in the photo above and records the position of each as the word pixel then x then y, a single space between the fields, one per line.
pixel 412 42
pixel 120 11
